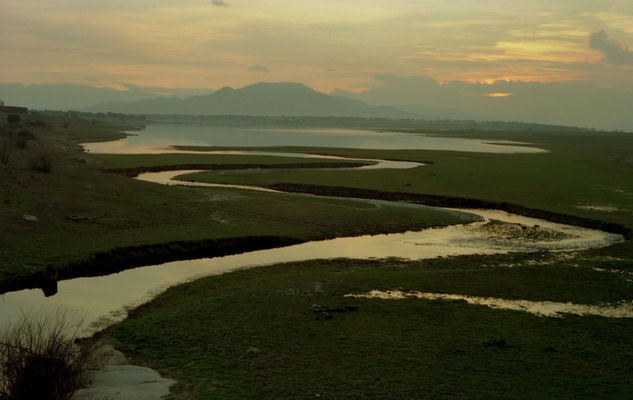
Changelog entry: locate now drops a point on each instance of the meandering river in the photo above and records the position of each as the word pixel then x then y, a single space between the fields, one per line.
pixel 106 299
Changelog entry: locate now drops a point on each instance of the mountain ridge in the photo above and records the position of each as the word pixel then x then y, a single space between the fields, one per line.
pixel 263 98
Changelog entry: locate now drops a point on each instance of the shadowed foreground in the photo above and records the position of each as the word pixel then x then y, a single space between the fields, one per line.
pixel 287 331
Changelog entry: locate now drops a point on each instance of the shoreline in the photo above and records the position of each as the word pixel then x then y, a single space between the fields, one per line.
pixel 123 258
pixel 120 259
pixel 454 202
pixel 134 171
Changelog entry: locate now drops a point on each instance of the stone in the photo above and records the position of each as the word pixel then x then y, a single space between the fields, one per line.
pixel 125 382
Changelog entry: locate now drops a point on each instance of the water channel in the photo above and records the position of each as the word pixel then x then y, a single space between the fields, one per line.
pixel 106 299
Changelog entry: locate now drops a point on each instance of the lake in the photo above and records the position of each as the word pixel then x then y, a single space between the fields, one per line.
pixel 160 136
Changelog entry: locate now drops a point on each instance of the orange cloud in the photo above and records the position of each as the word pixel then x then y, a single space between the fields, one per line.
pixel 498 94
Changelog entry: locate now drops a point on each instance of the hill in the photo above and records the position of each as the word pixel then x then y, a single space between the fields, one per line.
pixel 265 99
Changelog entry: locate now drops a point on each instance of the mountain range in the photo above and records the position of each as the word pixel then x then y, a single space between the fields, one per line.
pixel 555 103
pixel 66 96
pixel 264 99
pixel 260 99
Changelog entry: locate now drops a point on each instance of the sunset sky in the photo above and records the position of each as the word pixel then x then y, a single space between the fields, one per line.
pixel 325 44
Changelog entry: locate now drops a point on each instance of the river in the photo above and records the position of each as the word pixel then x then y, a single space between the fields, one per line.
pixel 106 299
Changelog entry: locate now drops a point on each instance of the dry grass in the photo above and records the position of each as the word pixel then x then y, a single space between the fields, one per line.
pixel 40 359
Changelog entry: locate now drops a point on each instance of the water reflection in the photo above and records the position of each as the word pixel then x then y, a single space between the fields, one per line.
pixel 120 147
pixel 106 299
pixel 540 308
pixel 161 136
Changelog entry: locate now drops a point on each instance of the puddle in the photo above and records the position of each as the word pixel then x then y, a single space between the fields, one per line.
pixel 540 308
pixel 592 207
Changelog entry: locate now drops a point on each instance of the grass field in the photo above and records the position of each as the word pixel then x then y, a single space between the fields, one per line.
pixel 415 349
pixel 583 174
pixel 260 333
pixel 82 209
pixel 287 331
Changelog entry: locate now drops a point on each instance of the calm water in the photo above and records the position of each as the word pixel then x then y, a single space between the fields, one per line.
pixel 104 300
pixel 164 135
pixel 541 308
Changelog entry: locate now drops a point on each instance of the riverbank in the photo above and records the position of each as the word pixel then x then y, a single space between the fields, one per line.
pixel 76 217
pixel 583 174
pixel 312 341
pixel 452 202
pixel 288 331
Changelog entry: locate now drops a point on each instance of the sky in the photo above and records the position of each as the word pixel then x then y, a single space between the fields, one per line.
pixel 362 47
pixel 325 44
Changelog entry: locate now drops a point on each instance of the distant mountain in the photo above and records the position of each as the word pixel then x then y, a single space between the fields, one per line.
pixel 570 103
pixel 264 99
pixel 72 97
pixel 424 111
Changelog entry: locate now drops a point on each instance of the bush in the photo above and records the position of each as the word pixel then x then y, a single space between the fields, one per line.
pixel 23 138
pixel 5 151
pixel 26 135
pixel 37 123
pixel 42 161
pixel 13 119
pixel 40 360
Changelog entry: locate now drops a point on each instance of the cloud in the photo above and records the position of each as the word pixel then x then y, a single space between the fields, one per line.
pixel 220 3
pixel 567 103
pixel 614 51
pixel 258 68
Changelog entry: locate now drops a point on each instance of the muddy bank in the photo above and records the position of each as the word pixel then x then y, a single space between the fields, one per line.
pixel 120 259
pixel 132 172
pixel 454 202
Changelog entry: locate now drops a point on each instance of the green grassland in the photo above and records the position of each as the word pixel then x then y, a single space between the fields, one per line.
pixel 82 209
pixel 175 160
pixel 260 334
pixel 588 174
pixel 254 334
pixel 588 169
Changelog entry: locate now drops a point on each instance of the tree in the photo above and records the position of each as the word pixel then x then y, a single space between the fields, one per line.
pixel 5 145
pixel 14 121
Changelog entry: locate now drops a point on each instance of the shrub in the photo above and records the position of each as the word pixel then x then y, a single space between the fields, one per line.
pixel 26 135
pixel 40 360
pixel 37 123
pixel 13 119
pixel 5 151
pixel 42 161
pixel 23 138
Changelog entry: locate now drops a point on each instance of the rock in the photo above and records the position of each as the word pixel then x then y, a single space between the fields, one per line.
pixel 252 350
pixel 122 381
pixel 110 356
pixel 322 316
pixel 125 382
pixel 30 218
pixel 317 308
